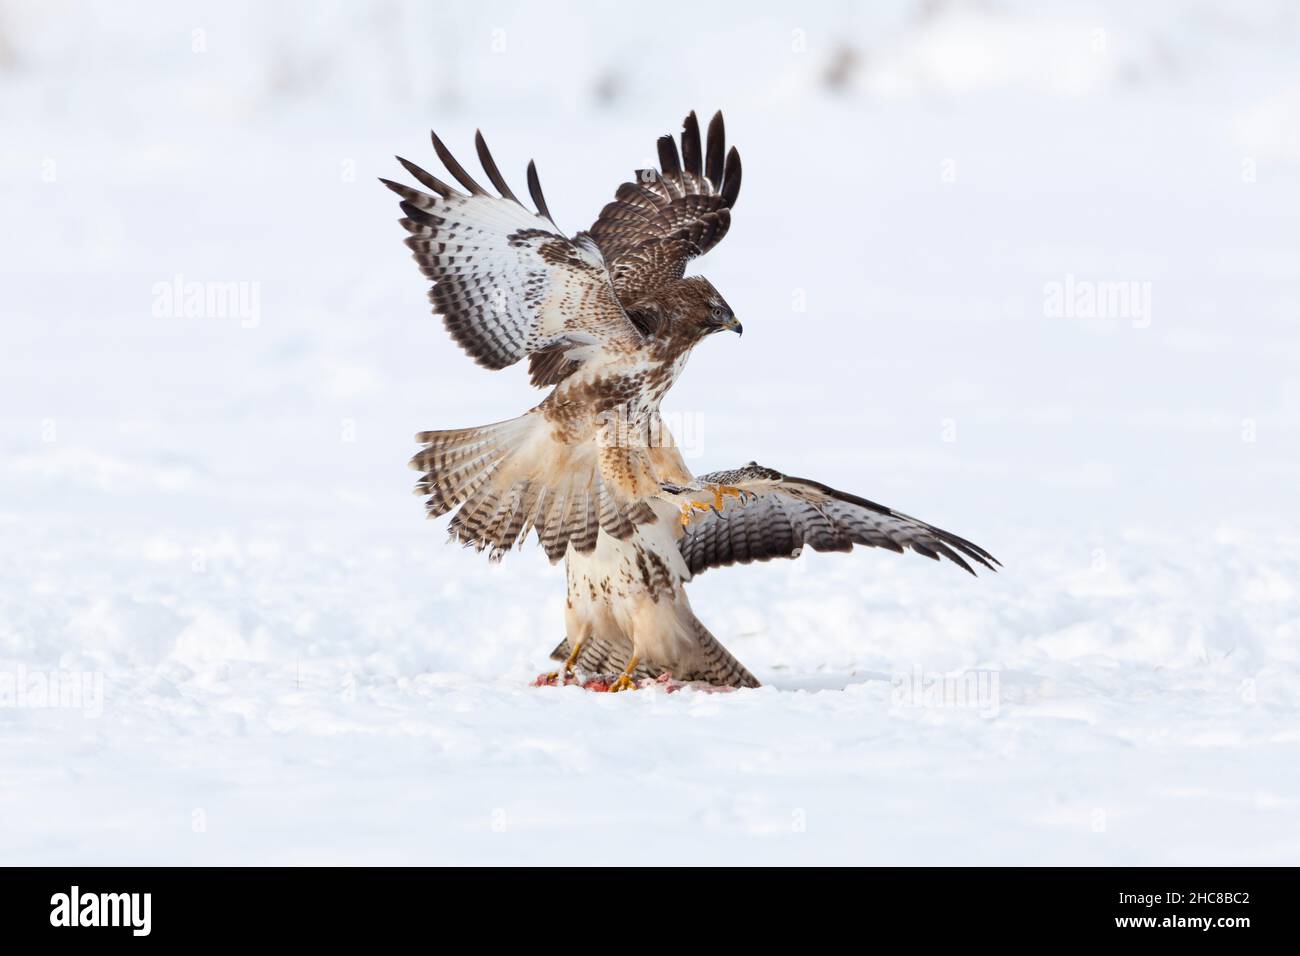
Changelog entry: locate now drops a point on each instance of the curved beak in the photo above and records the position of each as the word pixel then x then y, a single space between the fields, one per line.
pixel 735 326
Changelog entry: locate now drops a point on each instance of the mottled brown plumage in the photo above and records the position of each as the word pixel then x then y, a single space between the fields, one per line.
pixel 664 218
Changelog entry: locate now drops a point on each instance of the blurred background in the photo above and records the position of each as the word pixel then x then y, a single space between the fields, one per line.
pixel 1028 271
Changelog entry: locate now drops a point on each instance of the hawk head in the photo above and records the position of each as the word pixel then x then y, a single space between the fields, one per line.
pixel 706 309
pixel 685 311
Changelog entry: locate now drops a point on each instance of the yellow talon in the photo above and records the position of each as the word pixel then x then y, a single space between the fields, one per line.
pixel 722 491
pixel 720 494
pixel 688 511
pixel 625 680
pixel 568 665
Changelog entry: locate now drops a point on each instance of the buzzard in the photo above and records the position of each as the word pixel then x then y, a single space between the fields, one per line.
pixel 607 319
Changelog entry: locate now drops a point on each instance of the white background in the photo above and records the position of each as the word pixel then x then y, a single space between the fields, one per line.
pixel 217 519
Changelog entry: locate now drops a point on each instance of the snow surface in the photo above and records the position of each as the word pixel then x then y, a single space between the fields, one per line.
pixel 211 516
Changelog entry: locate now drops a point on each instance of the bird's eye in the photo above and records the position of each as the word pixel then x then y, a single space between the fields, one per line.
pixel 717 312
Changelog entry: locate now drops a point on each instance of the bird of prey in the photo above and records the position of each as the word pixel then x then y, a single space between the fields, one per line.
pixel 607 319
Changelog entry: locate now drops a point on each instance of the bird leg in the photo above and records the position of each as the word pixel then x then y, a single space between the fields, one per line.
pixel 720 494
pixel 625 680
pixel 566 672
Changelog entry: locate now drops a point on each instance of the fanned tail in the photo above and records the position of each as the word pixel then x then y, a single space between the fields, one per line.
pixel 714 663
pixel 710 662
pixel 507 479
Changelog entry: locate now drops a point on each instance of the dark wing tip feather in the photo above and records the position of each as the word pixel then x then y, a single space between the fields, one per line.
pixel 668 159
pixel 490 167
pixel 412 196
pixel 968 548
pixel 944 541
pixel 427 179
pixel 949 545
pixel 417 215
pixel 920 547
pixel 455 168
pixel 717 147
pixel 731 178
pixel 666 217
pixel 535 190
pixel 972 551
pixel 691 157
pixel 953 556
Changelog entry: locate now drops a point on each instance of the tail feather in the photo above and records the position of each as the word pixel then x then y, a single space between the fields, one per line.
pixel 459 462
pixel 536 510
pixel 445 464
pixel 711 663
pixel 492 478
pixel 714 663
pixel 504 531
pixel 472 520
pixel 552 530
pixel 611 518
pixel 585 524
pixel 447 490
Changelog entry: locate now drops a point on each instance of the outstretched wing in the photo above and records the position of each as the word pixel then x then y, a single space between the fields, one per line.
pixel 777 515
pixel 670 215
pixel 505 280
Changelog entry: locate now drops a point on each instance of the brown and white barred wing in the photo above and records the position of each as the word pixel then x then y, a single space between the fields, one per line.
pixel 666 217
pixel 780 515
pixel 507 283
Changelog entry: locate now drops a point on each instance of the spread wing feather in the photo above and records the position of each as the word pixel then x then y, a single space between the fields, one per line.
pixel 507 283
pixel 666 217
pixel 779 515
